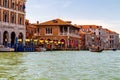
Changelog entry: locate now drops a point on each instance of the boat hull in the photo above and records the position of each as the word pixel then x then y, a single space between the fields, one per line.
pixel 6 50
pixel 95 49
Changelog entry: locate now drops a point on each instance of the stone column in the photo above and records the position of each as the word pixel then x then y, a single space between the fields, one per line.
pixel 9 2
pixel 2 2
pixel 68 35
pixel 9 37
pixel 9 17
pixel 1 15
pixel 1 37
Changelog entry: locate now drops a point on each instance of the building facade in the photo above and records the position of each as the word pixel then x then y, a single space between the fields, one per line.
pixel 106 38
pixel 86 34
pixel 58 34
pixel 110 39
pixel 12 21
pixel 30 30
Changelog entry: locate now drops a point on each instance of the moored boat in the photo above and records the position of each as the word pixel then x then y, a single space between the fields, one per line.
pixel 114 49
pixel 6 49
pixel 43 49
pixel 95 49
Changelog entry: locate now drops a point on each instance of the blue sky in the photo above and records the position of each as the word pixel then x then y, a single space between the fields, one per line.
pixel 99 12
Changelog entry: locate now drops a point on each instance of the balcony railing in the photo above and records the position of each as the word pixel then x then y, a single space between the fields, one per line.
pixel 74 35
pixel 69 34
pixel 64 34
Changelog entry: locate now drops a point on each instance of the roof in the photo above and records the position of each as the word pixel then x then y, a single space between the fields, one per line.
pixel 90 26
pixel 82 32
pixel 55 22
pixel 110 32
pixel 77 26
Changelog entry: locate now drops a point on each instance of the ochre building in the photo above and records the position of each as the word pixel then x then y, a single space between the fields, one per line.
pixel 57 34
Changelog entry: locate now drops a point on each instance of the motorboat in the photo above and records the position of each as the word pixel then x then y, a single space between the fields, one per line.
pixel 6 49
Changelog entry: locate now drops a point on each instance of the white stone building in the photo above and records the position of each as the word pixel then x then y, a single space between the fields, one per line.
pixel 110 39
pixel 91 31
pixel 12 21
pixel 106 38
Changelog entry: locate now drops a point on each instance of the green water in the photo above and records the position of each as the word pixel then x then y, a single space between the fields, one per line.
pixel 60 65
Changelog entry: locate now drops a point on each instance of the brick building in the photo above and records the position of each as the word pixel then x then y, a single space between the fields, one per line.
pixel 30 30
pixel 58 34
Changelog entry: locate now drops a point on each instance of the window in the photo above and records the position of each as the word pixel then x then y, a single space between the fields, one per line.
pixel 0 14
pixel 21 7
pixel 55 21
pixel 48 30
pixel 13 5
pixel 5 17
pixel 12 18
pixel 99 33
pixel 90 26
pixel 5 3
pixel 65 29
pixel 61 29
pixel 38 30
pixel 111 36
pixel 0 2
pixel 20 20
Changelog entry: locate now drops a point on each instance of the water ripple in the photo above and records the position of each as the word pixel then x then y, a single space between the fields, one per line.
pixel 60 65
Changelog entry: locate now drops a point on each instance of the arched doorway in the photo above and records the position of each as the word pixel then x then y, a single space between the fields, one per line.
pixel 62 41
pixel 5 38
pixel 41 42
pixel 20 37
pixel 12 38
pixel 49 45
pixel 55 44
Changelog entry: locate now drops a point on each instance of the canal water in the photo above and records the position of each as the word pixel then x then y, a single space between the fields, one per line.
pixel 60 65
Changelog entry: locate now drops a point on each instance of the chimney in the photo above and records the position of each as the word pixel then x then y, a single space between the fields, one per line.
pixel 37 22
pixel 68 22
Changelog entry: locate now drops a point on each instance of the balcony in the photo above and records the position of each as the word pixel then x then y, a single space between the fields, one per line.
pixel 74 35
pixel 69 34
pixel 63 34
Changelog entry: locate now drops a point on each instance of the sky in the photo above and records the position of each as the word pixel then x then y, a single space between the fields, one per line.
pixel 105 13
